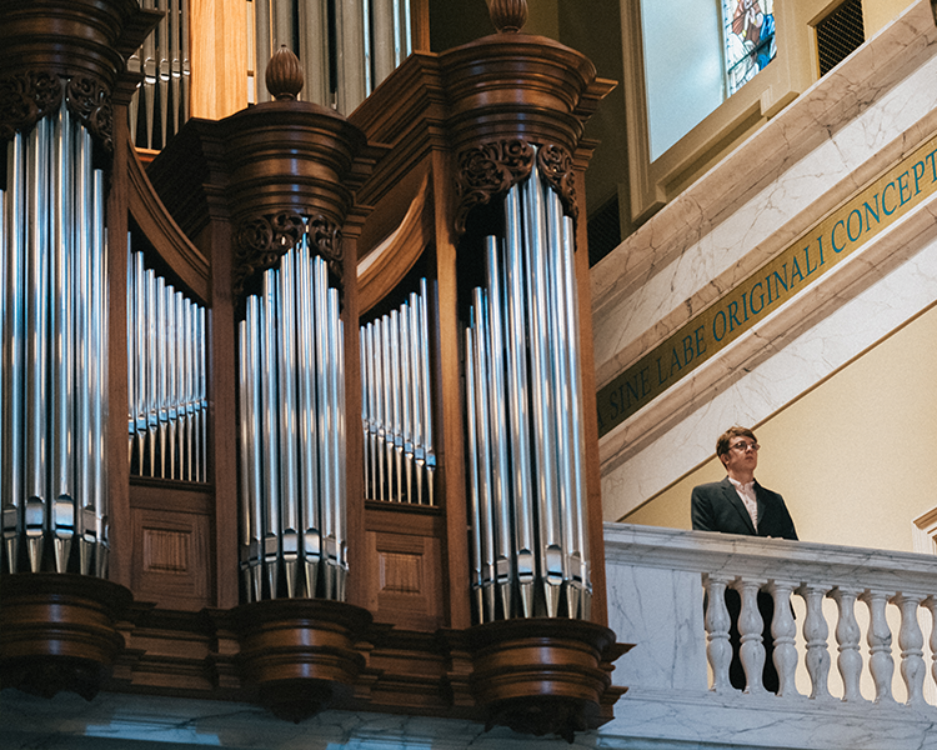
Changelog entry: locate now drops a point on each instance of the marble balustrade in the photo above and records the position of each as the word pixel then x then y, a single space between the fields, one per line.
pixel 873 633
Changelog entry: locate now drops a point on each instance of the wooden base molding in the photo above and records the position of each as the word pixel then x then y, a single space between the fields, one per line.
pixel 59 632
pixel 544 675
pixel 297 655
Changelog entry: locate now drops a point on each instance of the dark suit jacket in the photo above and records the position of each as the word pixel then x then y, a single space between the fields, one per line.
pixel 718 507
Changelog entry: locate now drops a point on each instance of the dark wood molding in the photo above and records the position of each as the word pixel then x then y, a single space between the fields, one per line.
pixel 162 231
pixel 71 49
pixel 297 656
pixel 543 675
pixel 59 632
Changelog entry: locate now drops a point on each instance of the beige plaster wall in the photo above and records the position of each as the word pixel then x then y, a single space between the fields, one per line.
pixel 855 458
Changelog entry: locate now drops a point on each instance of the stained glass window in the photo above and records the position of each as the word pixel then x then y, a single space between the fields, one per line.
pixel 749 39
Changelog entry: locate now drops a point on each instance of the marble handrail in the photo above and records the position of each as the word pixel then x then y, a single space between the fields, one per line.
pixel 654 577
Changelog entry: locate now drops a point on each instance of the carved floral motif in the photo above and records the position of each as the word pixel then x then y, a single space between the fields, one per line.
pixel 494 168
pixel 488 170
pixel 261 241
pixel 25 98
pixel 90 100
pixel 556 165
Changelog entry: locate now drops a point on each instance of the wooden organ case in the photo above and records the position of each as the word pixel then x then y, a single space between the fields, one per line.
pixel 351 361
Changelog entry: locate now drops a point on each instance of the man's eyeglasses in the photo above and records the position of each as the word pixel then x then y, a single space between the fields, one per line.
pixel 744 445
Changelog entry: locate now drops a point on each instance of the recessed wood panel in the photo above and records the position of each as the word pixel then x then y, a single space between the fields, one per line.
pixel 171 561
pixel 405 566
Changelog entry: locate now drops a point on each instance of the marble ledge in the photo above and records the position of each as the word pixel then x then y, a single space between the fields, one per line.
pixel 678 720
pixel 635 546
pixel 877 123
pixel 67 722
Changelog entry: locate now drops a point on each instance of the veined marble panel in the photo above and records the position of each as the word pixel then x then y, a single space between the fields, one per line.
pixel 851 125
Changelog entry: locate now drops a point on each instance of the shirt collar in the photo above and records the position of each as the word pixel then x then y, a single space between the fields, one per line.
pixel 747 486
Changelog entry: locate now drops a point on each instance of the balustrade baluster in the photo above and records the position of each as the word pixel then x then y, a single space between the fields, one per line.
pixel 931 604
pixel 849 661
pixel 784 632
pixel 718 648
pixel 881 663
pixel 816 633
pixel 911 641
pixel 751 626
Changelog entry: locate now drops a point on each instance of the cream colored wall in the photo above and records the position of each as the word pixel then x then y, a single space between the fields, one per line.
pixel 877 13
pixel 855 458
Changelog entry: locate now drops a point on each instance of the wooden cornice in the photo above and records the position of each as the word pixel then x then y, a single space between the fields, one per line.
pixel 398 251
pixel 161 230
pixel 74 50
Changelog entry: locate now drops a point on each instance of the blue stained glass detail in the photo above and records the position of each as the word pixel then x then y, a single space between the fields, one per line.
pixel 749 39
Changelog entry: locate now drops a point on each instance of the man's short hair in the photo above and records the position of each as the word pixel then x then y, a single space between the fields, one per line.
pixel 722 444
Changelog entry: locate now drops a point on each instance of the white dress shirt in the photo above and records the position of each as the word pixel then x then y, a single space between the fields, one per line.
pixel 746 491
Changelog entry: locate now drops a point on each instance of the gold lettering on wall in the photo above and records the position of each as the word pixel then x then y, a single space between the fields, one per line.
pixel 871 210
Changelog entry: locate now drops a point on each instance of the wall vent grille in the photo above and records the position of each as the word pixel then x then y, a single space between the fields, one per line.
pixel 839 34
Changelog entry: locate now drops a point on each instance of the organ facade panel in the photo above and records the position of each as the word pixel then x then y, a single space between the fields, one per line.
pixel 304 404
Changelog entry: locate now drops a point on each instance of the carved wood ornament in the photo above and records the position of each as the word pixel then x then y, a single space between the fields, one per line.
pixel 260 243
pixel 26 98
pixel 492 169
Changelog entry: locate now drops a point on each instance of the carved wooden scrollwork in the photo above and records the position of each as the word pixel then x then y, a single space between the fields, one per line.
pixel 90 100
pixel 488 170
pixel 556 165
pixel 494 168
pixel 25 98
pixel 261 241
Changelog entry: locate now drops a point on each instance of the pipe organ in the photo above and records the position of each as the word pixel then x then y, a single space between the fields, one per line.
pixel 166 377
pixel 396 405
pixel 261 279
pixel 53 319
pixel 292 434
pixel 347 47
pixel 530 553
pixel 161 103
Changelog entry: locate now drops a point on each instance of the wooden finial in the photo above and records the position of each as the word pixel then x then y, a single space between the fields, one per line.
pixel 284 75
pixel 508 16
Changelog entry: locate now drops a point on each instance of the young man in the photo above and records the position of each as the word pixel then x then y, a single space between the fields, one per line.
pixel 739 505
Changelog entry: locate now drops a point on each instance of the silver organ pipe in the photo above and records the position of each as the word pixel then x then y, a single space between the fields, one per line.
pixel 370 38
pixel 524 422
pixel 292 434
pixel 160 105
pixel 53 323
pixel 166 377
pixel 396 400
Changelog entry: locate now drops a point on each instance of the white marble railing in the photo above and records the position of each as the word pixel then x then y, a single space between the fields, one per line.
pixel 866 610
